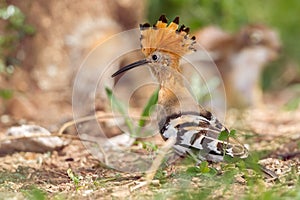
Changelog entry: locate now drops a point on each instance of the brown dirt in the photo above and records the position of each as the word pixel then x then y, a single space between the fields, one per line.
pixel 48 171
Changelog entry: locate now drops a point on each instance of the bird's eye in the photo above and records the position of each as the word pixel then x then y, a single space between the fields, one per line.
pixel 155 57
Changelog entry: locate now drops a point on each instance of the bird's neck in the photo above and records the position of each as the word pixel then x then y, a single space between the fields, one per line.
pixel 174 97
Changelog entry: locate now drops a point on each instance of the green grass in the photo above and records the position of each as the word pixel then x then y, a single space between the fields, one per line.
pixel 224 185
pixel 6 93
pixel 147 109
pixel 119 107
pixel 35 193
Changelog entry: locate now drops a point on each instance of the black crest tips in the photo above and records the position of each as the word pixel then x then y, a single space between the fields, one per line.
pixel 181 28
pixel 187 30
pixel 146 25
pixel 176 20
pixel 163 19
pixel 143 26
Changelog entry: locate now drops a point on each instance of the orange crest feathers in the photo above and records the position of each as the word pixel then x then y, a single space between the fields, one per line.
pixel 164 37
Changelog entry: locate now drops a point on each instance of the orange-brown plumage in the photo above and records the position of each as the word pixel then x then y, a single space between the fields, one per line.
pixel 166 38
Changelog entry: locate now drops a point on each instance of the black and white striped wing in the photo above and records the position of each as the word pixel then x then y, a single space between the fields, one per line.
pixel 198 135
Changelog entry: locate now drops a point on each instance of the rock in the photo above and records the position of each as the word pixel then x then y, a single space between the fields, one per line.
pixel 29 143
pixel 120 141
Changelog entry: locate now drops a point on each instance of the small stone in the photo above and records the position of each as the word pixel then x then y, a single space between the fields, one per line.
pixel 195 179
pixel 155 182
pixel 240 179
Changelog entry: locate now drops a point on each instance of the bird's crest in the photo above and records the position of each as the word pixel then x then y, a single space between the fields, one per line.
pixel 169 38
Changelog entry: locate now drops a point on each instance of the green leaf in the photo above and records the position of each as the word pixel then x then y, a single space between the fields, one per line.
pixel 161 175
pixel 213 171
pixel 6 93
pixel 146 112
pixel 232 134
pixel 147 145
pixel 29 30
pixel 224 135
pixel 193 170
pixel 204 167
pixel 73 177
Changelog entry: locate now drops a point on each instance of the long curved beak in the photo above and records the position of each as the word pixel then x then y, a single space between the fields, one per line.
pixel 130 66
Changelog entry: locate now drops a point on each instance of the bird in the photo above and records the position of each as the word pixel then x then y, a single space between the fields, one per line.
pixel 241 58
pixel 196 130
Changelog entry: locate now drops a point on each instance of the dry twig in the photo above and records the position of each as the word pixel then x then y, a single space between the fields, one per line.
pixel 102 117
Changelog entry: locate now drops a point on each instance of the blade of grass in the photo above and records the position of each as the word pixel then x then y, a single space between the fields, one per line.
pixel 146 112
pixel 120 107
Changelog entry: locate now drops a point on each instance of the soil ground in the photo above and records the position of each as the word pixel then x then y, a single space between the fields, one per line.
pixel 73 173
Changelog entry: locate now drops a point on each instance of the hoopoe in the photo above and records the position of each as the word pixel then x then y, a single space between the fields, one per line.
pixel 196 130
pixel 240 58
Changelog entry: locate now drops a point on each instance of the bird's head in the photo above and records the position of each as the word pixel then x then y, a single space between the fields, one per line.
pixel 163 45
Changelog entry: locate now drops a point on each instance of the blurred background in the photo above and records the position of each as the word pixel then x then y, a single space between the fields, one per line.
pixel 43 43
pixel 231 16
